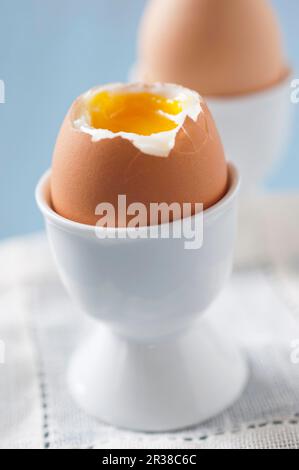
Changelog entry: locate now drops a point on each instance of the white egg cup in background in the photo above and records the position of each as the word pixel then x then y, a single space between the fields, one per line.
pixel 254 129
pixel 152 364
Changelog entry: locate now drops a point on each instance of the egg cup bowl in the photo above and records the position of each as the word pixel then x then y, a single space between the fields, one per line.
pixel 152 364
pixel 254 129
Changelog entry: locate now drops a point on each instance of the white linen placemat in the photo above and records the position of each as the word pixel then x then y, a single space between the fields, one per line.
pixel 259 308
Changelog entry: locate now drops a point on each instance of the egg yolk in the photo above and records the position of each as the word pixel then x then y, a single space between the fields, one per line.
pixel 139 113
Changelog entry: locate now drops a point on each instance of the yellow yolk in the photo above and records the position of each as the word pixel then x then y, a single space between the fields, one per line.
pixel 139 113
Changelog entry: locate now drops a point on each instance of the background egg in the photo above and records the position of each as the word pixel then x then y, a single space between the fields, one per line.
pixel 217 47
pixel 86 172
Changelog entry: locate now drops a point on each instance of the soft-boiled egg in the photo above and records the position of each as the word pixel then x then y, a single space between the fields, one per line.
pixel 151 143
pixel 217 47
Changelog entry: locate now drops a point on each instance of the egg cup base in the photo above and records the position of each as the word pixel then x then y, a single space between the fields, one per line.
pixel 167 386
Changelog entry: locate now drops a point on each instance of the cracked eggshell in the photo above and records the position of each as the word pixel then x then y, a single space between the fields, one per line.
pixel 86 173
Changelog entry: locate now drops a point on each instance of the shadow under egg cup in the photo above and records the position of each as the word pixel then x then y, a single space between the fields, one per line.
pixel 152 364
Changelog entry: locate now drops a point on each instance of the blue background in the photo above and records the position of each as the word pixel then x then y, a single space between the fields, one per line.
pixel 51 51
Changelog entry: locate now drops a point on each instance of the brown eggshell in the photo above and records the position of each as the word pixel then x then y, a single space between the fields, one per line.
pixel 216 47
pixel 86 173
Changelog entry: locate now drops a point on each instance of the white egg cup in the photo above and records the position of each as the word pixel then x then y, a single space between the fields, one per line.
pixel 254 129
pixel 152 364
